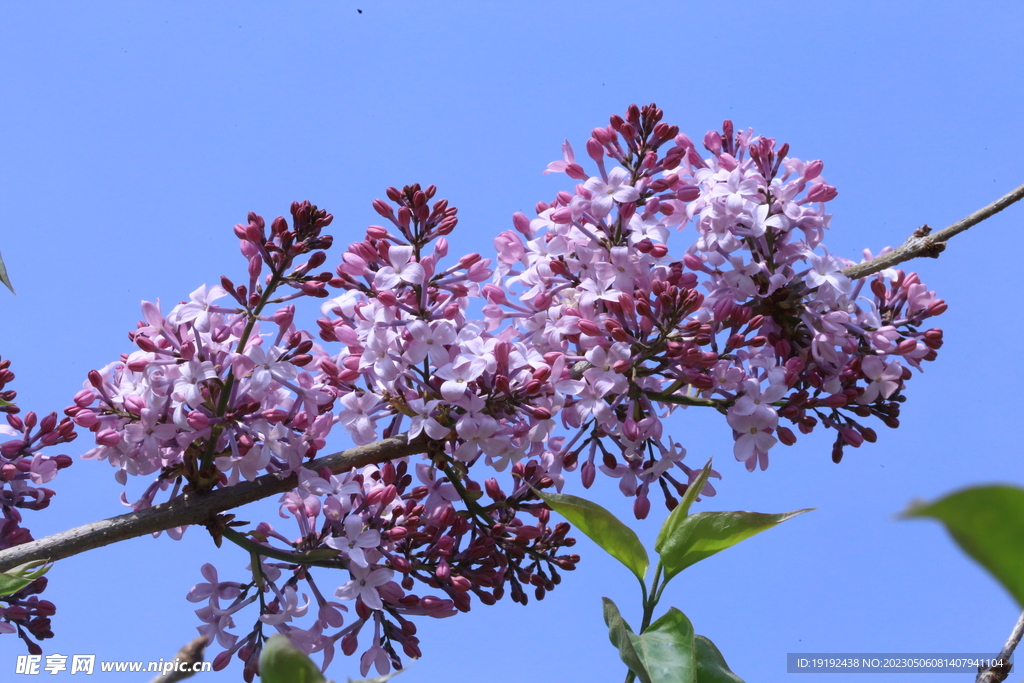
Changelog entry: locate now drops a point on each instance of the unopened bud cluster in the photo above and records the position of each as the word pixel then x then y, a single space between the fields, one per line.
pixel 23 470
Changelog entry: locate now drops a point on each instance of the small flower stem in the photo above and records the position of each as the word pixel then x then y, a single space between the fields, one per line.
pixel 475 509
pixel 651 602
pixel 258 549
pixel 682 400
pixel 229 383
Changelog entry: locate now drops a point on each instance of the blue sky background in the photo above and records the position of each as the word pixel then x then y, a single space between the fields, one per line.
pixel 134 135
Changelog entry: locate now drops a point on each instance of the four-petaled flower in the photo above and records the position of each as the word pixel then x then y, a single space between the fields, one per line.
pixel 364 585
pixel 615 189
pixel 355 540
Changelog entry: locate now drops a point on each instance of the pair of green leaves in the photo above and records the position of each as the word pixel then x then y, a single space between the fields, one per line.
pixel 13 580
pixel 684 539
pixel 282 662
pixel 667 651
pixel 987 522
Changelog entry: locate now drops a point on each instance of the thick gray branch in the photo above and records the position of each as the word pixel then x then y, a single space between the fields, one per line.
pixel 196 509
pixel 925 243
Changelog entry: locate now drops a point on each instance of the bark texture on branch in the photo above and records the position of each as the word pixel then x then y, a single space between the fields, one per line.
pixel 926 243
pixel 196 509
pixel 1000 672
pixel 190 654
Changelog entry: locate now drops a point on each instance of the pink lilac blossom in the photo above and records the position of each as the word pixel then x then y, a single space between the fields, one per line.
pixel 24 468
pixel 593 335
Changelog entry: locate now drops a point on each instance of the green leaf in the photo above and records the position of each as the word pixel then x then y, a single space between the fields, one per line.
pixel 711 666
pixel 987 522
pixel 4 278
pixel 603 528
pixel 702 535
pixel 673 521
pixel 282 662
pixel 622 636
pixel 666 649
pixel 13 580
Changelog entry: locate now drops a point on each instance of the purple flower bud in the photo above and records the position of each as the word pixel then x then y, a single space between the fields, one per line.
pixel 197 420
pixel 134 403
pixel 543 300
pixel 713 142
pixel 108 437
pixel 349 643
pixel 589 327
pixel 587 474
pixel 9 449
pixel 521 223
pixel 222 660
pixel 85 397
pixel 821 193
pixel 563 215
pixel 383 208
pixel 86 418
pixel 641 507
pixel 693 262
pixel 575 171
pixel 494 294
pixel 851 436
pixel 786 435
pixel 906 346
pixel 16 612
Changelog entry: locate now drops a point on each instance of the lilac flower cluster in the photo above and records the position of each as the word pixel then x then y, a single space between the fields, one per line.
pixel 218 393
pixel 755 319
pixel 389 531
pixel 592 335
pixel 23 470
pixel 411 360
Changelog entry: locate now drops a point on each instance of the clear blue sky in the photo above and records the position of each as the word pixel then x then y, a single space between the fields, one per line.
pixel 134 135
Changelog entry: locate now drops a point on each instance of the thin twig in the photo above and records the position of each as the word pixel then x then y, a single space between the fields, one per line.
pixel 925 243
pixel 189 654
pixel 999 672
pixel 196 508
